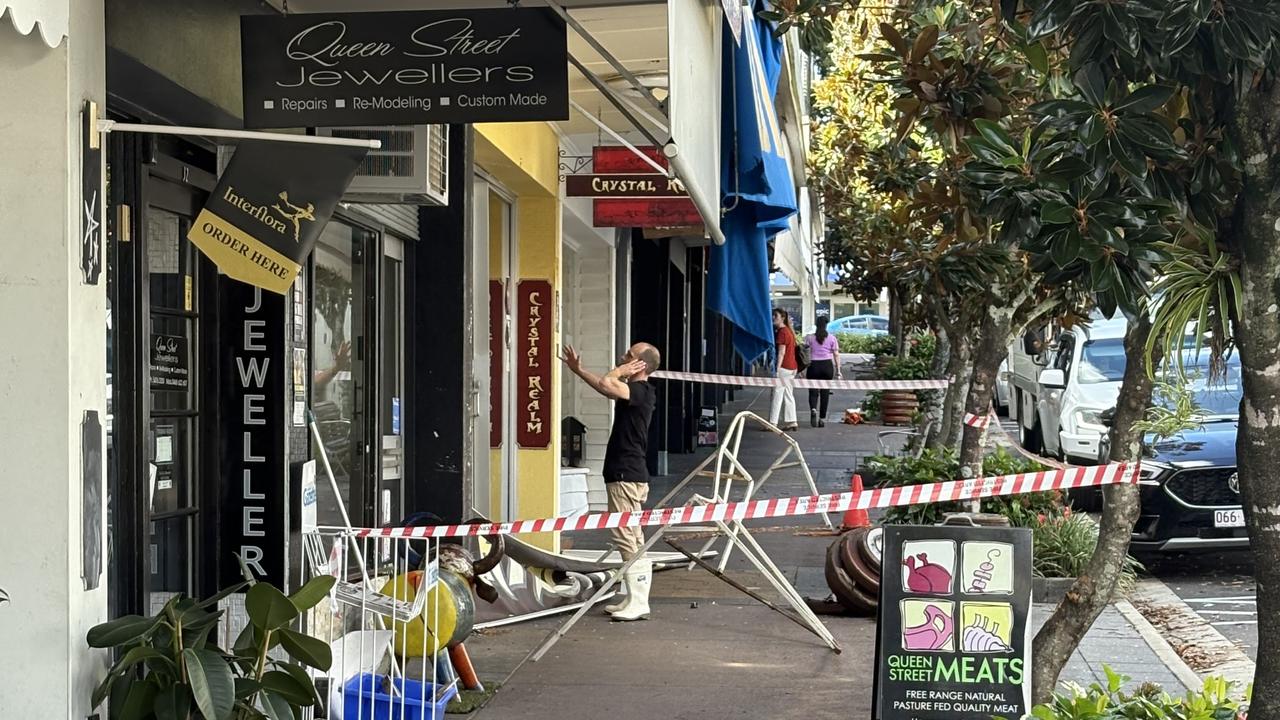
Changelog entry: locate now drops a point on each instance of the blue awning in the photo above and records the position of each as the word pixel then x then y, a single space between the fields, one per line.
pixel 759 193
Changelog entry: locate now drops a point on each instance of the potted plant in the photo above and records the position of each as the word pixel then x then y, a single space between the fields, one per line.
pixel 899 406
pixel 167 668
pixel 1063 543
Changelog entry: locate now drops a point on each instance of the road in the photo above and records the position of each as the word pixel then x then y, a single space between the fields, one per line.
pixel 1219 586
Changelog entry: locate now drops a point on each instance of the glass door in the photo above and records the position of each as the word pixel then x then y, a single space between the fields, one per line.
pixel 343 362
pixel 173 429
pixel 391 381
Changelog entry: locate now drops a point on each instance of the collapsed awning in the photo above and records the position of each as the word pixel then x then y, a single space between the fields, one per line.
pixel 48 15
pixel 759 192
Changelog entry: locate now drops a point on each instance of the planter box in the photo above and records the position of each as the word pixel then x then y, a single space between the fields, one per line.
pixel 1050 590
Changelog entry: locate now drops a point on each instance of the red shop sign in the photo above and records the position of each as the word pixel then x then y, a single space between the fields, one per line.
pixel 497 329
pixel 535 304
pixel 637 212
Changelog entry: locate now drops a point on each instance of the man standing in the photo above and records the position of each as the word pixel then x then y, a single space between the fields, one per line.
pixel 626 470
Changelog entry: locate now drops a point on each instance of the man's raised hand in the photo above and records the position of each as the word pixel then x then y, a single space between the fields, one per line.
pixel 631 369
pixel 571 358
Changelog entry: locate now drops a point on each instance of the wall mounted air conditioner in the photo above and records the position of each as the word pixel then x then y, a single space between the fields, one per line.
pixel 412 166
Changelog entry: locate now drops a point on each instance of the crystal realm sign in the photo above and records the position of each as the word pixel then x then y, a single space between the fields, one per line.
pixel 534 307
pixel 405 67
pixel 953 635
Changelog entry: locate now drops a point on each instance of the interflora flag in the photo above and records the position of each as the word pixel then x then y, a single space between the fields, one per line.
pixel 269 207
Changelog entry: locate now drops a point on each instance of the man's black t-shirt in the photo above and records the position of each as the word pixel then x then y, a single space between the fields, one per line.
pixel 625 460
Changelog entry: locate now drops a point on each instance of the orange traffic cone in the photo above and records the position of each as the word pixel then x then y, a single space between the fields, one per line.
pixel 853 517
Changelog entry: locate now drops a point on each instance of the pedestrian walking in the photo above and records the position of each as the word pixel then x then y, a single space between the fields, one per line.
pixel 824 364
pixel 783 406
pixel 626 469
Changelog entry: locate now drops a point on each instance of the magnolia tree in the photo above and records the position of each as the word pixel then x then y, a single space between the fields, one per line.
pixel 1079 154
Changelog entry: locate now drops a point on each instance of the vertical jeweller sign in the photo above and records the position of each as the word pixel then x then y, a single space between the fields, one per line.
pixel 90 195
pixel 534 308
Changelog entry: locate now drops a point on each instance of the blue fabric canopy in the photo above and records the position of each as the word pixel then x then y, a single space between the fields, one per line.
pixel 759 194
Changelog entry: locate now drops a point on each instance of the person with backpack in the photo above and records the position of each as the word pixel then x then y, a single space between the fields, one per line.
pixel 824 364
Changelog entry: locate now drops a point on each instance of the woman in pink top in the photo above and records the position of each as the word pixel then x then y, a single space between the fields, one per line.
pixel 824 364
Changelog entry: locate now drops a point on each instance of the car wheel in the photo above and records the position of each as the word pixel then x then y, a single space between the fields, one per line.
pixel 1030 438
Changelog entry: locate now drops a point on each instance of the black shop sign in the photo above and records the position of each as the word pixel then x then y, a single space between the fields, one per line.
pixel 404 67
pixel 170 362
pixel 953 636
pixel 254 466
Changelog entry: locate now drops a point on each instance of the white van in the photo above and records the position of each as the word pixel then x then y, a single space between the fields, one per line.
pixel 1075 379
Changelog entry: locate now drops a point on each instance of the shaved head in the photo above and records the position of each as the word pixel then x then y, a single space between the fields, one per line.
pixel 648 353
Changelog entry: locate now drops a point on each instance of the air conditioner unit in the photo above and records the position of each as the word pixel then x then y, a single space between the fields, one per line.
pixel 412 166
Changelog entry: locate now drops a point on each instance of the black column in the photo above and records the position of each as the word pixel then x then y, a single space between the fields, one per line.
pixel 437 341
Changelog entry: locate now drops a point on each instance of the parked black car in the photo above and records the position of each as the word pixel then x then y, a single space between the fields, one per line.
pixel 1190 490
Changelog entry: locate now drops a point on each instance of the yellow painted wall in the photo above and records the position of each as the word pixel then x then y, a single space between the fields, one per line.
pixel 524 158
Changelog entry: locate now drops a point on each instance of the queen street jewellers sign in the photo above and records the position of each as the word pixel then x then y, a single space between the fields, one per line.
pixel 410 67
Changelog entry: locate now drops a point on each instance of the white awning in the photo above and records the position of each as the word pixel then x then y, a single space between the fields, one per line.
pixel 48 15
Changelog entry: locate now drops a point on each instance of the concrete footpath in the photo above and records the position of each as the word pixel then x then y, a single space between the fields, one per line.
pixel 710 651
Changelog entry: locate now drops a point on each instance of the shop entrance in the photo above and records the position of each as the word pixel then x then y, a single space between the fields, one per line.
pixel 161 516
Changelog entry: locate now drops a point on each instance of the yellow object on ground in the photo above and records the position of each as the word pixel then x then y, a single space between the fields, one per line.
pixel 416 638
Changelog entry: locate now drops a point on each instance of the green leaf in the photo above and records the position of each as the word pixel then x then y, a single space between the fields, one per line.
pixel 1067 169
pixel 1037 57
pixel 925 41
pixel 1092 84
pixel 1145 99
pixel 1049 17
pixel 287 686
pixel 212 682
pixel 996 136
pixel 274 706
pixel 268 608
pixel 1056 212
pixel 120 631
pixel 1065 248
pixel 140 702
pixel 310 651
pixel 1092 131
pixel 301 677
pixel 307 596
pixel 104 688
pixel 246 687
pixel 173 703
pixel 223 595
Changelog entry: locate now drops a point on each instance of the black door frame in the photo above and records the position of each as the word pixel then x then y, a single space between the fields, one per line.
pixel 136 162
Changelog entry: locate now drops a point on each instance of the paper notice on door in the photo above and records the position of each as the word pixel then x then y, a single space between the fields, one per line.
pixel 299 413
pixel 164 449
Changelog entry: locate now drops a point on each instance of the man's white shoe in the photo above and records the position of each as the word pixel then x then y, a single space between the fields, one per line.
pixel 623 595
pixel 639 580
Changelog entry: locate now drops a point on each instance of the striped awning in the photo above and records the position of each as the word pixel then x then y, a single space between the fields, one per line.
pixel 50 16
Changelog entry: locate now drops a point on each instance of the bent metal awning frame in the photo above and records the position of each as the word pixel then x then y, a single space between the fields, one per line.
pixel 708 207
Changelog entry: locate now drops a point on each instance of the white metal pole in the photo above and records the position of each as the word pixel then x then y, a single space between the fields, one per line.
pixel 107 126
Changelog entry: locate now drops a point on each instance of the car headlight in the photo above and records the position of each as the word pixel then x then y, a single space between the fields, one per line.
pixel 1150 472
pixel 1091 419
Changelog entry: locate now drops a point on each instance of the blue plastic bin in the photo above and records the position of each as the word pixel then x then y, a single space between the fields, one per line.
pixel 366 698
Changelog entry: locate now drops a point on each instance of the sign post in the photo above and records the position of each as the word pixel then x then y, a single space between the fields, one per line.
pixel 953 638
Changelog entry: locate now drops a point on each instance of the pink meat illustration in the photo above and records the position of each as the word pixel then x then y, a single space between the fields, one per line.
pixel 933 634
pixel 927 577
pixel 981 636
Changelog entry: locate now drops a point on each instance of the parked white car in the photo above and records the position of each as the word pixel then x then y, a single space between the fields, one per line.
pixel 1077 377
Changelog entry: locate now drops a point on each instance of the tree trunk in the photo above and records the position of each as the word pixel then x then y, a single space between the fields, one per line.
pixel 936 399
pixel 960 370
pixel 1257 239
pixel 1087 598
pixel 988 352
pixel 896 326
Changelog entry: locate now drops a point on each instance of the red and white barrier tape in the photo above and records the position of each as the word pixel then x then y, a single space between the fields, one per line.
pixel 977 421
pixel 802 382
pixel 949 491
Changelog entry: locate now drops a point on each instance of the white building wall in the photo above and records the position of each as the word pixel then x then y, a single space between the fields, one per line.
pixel 52 370
pixel 593 284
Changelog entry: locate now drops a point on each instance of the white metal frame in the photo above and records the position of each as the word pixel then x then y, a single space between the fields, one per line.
pixel 734 531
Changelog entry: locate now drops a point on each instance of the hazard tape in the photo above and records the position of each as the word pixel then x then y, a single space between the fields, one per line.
pixel 801 382
pixel 977 421
pixel 949 491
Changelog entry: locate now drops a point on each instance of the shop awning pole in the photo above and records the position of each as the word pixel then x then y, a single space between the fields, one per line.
pixel 107 126
pixel 710 212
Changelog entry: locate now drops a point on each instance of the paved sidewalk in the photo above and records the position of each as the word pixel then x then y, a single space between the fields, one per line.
pixel 712 652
